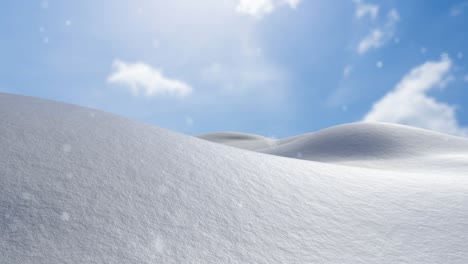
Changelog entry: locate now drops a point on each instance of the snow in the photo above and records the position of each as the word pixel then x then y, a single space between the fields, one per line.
pixel 239 140
pixel 372 145
pixel 128 192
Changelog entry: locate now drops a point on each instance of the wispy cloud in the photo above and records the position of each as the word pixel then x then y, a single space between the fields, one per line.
pixel 364 9
pixel 142 79
pixel 409 104
pixel 458 9
pixel 260 8
pixel 378 37
pixel 373 40
pixel 292 3
pixel 392 18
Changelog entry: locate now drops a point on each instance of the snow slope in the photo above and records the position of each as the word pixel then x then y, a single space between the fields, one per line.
pixel 373 145
pixel 240 140
pixel 83 186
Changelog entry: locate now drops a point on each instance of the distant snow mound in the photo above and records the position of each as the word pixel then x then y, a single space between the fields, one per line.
pixel 84 186
pixel 239 140
pixel 368 140
pixel 379 145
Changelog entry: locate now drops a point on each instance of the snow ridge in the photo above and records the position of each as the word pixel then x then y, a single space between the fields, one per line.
pixel 367 144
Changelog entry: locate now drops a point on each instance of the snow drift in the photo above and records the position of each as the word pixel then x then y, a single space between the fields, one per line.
pixel 83 186
pixel 375 145
pixel 240 140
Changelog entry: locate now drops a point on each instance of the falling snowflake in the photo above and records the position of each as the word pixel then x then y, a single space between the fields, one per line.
pixel 65 216
pixel 347 70
pixel 68 23
pixel 423 50
pixel 66 148
pixel 162 190
pixel 158 245
pixel 189 121
pixel 379 64
pixel 26 196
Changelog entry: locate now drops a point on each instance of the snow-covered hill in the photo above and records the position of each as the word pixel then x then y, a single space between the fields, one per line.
pixel 240 140
pixel 83 186
pixel 373 145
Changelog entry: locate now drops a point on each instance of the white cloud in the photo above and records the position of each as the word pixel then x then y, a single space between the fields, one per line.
pixel 363 9
pixel 255 8
pixel 378 37
pixel 373 40
pixel 142 79
pixel 458 9
pixel 293 3
pixel 259 8
pixel 409 104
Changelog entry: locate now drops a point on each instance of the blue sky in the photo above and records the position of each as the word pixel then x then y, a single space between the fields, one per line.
pixel 271 67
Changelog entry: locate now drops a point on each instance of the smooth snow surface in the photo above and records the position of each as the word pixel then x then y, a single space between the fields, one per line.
pixel 239 140
pixel 373 145
pixel 83 186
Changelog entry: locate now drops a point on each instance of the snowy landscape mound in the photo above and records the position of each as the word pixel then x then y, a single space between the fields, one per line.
pixel 83 186
pixel 239 140
pixel 379 145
